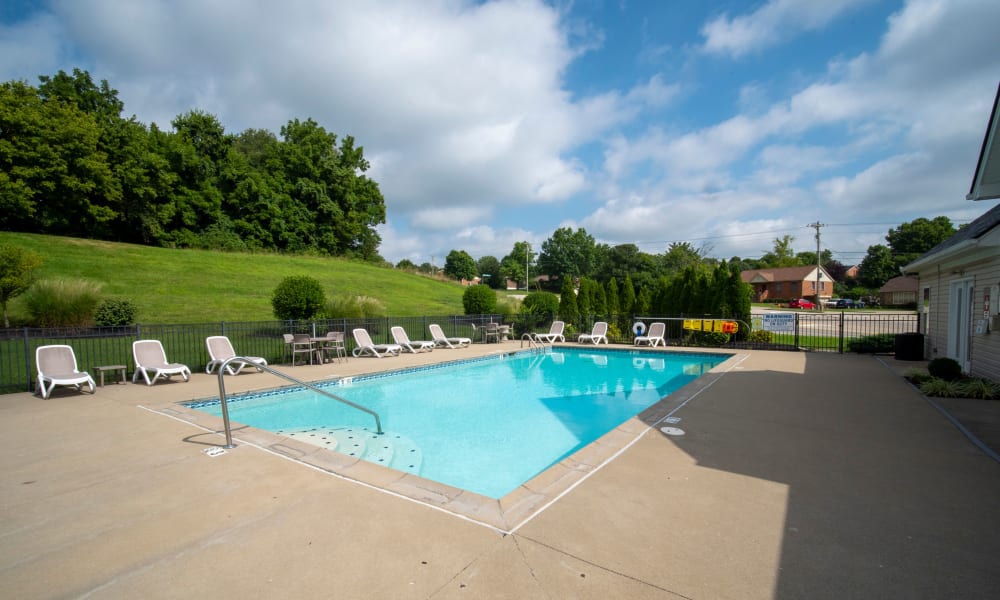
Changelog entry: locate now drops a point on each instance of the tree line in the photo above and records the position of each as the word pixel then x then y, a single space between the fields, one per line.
pixel 71 164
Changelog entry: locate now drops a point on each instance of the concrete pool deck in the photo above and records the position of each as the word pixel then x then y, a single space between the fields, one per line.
pixel 801 475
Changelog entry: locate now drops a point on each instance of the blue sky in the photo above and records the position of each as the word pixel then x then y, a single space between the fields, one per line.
pixel 725 124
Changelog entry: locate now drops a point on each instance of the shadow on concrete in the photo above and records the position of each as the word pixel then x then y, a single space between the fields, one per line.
pixel 886 499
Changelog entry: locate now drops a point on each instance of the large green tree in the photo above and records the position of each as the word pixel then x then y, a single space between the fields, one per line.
pixel 513 265
pixel 567 253
pixel 459 264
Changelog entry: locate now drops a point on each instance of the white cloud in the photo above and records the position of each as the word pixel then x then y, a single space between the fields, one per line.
pixel 773 22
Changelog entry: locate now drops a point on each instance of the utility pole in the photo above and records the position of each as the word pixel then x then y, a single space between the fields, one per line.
pixel 527 251
pixel 819 265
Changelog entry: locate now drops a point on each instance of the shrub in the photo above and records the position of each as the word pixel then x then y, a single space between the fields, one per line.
pixel 917 376
pixel 115 312
pixel 707 338
pixel 945 368
pixel 940 388
pixel 882 343
pixel 297 297
pixel 345 306
pixel 760 336
pixel 62 302
pixel 479 300
pixel 614 333
pixel 979 388
pixel 540 303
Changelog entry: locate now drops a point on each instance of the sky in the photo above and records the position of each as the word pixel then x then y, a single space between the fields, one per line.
pixel 723 124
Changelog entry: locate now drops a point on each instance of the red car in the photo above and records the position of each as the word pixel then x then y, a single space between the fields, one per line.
pixel 801 303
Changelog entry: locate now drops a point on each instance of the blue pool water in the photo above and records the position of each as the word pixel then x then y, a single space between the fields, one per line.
pixel 486 425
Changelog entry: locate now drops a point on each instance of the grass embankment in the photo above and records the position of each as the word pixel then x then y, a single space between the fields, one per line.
pixel 194 286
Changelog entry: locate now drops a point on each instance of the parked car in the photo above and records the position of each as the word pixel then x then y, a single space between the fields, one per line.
pixel 849 303
pixel 802 303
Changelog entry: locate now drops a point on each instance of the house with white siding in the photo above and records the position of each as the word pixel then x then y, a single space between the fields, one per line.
pixel 959 279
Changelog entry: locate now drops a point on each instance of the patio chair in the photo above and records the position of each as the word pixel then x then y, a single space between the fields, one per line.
pixel 56 365
pixel 333 345
pixel 220 349
pixel 596 336
pixel 554 335
pixel 401 338
pixel 302 344
pixel 150 359
pixel 440 340
pixel 366 346
pixel 653 337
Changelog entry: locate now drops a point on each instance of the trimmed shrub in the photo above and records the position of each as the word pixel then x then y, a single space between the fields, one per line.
pixel 540 303
pixel 115 312
pixel 707 338
pixel 479 300
pixel 945 368
pixel 62 302
pixel 760 336
pixel 882 343
pixel 297 297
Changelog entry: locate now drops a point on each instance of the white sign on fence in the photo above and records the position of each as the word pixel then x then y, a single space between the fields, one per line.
pixel 778 322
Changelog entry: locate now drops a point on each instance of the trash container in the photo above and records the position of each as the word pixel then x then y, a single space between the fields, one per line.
pixel 909 346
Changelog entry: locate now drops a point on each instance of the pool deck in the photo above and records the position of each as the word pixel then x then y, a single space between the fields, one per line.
pixel 800 475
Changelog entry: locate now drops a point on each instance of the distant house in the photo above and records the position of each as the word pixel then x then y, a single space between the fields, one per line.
pixel 788 283
pixel 899 291
pixel 852 272
pixel 959 289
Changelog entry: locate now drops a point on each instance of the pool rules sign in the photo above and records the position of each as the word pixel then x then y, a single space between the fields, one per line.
pixel 778 322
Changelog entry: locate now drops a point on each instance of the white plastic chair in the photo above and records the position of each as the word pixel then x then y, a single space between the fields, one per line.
pixel 56 365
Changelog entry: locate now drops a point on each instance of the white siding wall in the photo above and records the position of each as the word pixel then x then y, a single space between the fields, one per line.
pixel 985 348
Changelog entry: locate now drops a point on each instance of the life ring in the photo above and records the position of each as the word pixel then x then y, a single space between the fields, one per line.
pixel 639 328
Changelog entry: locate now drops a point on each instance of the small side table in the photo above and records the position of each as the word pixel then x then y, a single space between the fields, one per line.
pixel 119 368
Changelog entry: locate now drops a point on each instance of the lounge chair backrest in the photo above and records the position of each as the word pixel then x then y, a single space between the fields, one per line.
pixel 656 330
pixel 436 333
pixel 219 347
pixel 362 338
pixel 600 328
pixel 557 328
pixel 56 359
pixel 399 335
pixel 148 352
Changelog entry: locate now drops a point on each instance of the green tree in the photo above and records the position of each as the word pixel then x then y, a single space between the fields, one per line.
pixel 513 265
pixel 460 265
pixel 17 273
pixel 614 304
pixel 567 254
pixel 877 267
pixel 628 297
pixel 489 269
pixel 680 256
pixel 783 255
pixel 569 311
pixel 540 303
pixel 406 265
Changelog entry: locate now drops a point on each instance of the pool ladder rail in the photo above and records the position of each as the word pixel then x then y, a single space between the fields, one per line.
pixel 535 345
pixel 273 371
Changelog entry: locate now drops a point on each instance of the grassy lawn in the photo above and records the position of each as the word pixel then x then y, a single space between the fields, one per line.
pixel 192 286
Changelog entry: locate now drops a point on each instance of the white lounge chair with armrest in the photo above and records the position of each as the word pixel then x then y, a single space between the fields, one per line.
pixel 653 337
pixel 447 342
pixel 364 345
pixel 401 338
pixel 56 365
pixel 596 336
pixel 554 335
pixel 220 349
pixel 150 359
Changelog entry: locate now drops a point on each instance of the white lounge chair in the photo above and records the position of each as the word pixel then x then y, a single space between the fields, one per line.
pixel 653 337
pixel 150 359
pixel 401 338
pixel 365 345
pixel 447 342
pixel 596 336
pixel 554 335
pixel 56 365
pixel 220 349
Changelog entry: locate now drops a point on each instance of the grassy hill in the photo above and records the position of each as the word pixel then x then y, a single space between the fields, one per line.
pixel 194 286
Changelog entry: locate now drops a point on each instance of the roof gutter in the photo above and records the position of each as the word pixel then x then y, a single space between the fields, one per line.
pixel 927 259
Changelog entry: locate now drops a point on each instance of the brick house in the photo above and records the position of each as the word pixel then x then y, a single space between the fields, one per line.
pixel 788 283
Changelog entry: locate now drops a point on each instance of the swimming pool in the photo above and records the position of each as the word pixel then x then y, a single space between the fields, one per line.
pixel 486 425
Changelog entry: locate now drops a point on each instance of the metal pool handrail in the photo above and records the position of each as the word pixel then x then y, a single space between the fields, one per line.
pixel 225 409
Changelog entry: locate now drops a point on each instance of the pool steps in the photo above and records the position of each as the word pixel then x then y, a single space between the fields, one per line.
pixel 389 449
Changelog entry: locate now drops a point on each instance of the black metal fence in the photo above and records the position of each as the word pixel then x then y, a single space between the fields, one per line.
pixel 96 346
